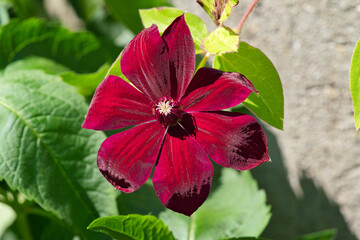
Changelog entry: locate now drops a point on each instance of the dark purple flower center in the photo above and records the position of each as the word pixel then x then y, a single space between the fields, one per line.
pixel 167 111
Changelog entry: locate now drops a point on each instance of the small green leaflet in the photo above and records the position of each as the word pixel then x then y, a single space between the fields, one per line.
pixel 132 226
pixel 218 10
pixel 355 83
pixel 268 105
pixel 236 209
pixel 222 40
pixel 329 234
pixel 163 17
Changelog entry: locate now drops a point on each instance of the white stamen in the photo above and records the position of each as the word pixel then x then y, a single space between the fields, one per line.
pixel 164 107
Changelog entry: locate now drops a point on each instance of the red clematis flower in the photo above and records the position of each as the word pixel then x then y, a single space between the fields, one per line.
pixel 178 118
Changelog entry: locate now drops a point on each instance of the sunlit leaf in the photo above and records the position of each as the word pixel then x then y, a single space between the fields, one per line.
pixel 163 17
pixel 268 105
pixel 355 83
pixel 222 40
pixel 132 226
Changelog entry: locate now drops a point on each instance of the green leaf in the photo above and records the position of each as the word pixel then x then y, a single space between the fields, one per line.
pixel 115 69
pixel 329 234
pixel 86 83
pixel 127 12
pixel 31 63
pixel 268 105
pixel 164 16
pixel 79 51
pixel 37 112
pixel 222 40
pixel 218 10
pixel 355 83
pixel 132 226
pixel 236 209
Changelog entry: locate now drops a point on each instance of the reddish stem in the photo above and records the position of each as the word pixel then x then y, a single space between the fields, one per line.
pixel 241 23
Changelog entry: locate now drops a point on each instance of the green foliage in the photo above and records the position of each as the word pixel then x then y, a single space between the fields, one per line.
pixel 132 226
pixel 268 105
pixel 78 51
pixel 86 83
pixel 164 16
pixel 218 10
pixel 42 111
pixel 222 40
pixel 236 209
pixel 40 63
pixel 329 234
pixel 127 12
pixel 355 83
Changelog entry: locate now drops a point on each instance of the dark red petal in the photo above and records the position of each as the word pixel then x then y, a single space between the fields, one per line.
pixel 183 176
pixel 212 90
pixel 181 55
pixel 232 140
pixel 126 159
pixel 145 62
pixel 117 104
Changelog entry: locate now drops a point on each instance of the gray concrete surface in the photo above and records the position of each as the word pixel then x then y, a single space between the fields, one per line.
pixel 313 182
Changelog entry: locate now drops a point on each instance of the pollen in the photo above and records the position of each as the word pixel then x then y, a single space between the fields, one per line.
pixel 164 107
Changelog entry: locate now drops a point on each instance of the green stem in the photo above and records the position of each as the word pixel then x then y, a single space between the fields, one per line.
pixel 241 23
pixel 192 228
pixel 203 61
pixel 23 226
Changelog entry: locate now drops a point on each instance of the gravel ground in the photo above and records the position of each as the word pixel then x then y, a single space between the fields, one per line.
pixel 312 183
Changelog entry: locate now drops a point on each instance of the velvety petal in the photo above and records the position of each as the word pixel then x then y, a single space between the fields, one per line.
pixel 181 56
pixel 117 104
pixel 127 158
pixel 212 90
pixel 145 62
pixel 183 176
pixel 232 140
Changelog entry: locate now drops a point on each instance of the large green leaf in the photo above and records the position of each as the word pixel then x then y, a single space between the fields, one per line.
pixel 355 83
pixel 268 104
pixel 236 209
pixel 222 40
pixel 127 12
pixel 164 16
pixel 218 10
pixel 79 51
pixel 132 226
pixel 44 152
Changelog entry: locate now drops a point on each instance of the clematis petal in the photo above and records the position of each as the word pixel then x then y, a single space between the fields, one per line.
pixel 232 140
pixel 212 90
pixel 183 176
pixel 181 55
pixel 145 62
pixel 117 104
pixel 127 158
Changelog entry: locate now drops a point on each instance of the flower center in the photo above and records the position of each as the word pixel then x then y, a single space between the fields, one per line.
pixel 167 111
